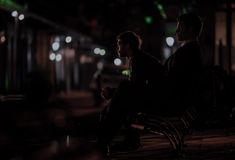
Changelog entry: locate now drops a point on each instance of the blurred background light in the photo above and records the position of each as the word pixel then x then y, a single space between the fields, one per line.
pixel 68 39
pixel 117 61
pixel 14 13
pixel 97 50
pixel 170 41
pixel 58 57
pixel 3 39
pixel 52 56
pixel 21 17
pixel 55 46
pixel 148 19
pixel 102 52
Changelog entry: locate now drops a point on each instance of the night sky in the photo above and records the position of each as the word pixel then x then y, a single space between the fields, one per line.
pixel 104 19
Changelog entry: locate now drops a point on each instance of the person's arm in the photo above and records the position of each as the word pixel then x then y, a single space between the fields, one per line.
pixel 107 92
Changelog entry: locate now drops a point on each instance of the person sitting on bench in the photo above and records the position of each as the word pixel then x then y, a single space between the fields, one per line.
pixel 130 96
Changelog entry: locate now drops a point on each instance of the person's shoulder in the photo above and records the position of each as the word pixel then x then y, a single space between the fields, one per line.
pixel 151 57
pixel 192 45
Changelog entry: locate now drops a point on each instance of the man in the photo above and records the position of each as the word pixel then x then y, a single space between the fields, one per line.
pixel 184 66
pixel 130 96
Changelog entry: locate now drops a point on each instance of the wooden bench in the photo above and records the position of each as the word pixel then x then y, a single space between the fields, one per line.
pixel 173 128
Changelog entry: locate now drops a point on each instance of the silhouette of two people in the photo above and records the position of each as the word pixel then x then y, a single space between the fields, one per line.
pixel 151 84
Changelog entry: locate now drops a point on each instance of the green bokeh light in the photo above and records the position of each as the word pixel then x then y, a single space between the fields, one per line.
pixel 148 19
pixel 9 4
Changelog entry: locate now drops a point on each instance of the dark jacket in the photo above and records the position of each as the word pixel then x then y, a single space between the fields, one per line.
pixel 183 74
pixel 147 78
pixel 145 69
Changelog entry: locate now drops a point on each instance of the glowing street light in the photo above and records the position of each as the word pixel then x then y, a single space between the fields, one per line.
pixel 21 17
pixel 55 46
pixel 117 61
pixel 52 56
pixel 68 39
pixel 97 50
pixel 14 13
pixel 58 57
pixel 170 41
pixel 102 52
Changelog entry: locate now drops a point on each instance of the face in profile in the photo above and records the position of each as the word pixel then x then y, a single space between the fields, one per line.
pixel 121 49
pixel 183 33
pixel 180 31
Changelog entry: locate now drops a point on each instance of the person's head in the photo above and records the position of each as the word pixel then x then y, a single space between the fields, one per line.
pixel 189 27
pixel 127 42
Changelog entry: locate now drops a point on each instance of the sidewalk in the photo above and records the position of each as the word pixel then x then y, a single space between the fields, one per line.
pixel 217 144
pixel 208 144
pixel 204 145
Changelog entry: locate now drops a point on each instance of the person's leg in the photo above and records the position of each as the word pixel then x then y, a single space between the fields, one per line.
pixel 135 102
pixel 131 137
pixel 116 116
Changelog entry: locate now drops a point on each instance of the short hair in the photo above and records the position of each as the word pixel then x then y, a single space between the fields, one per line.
pixel 131 38
pixel 191 20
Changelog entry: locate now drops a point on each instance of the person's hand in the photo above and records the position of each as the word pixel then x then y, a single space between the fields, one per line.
pixel 107 93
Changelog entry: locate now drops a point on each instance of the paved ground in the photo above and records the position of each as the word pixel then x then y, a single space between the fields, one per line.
pixel 216 143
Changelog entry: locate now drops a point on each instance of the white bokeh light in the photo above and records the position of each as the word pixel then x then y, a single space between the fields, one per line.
pixel 170 41
pixel 14 13
pixel 21 17
pixel 117 61
pixel 55 46
pixel 3 39
pixel 97 50
pixel 52 56
pixel 68 39
pixel 102 52
pixel 58 57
